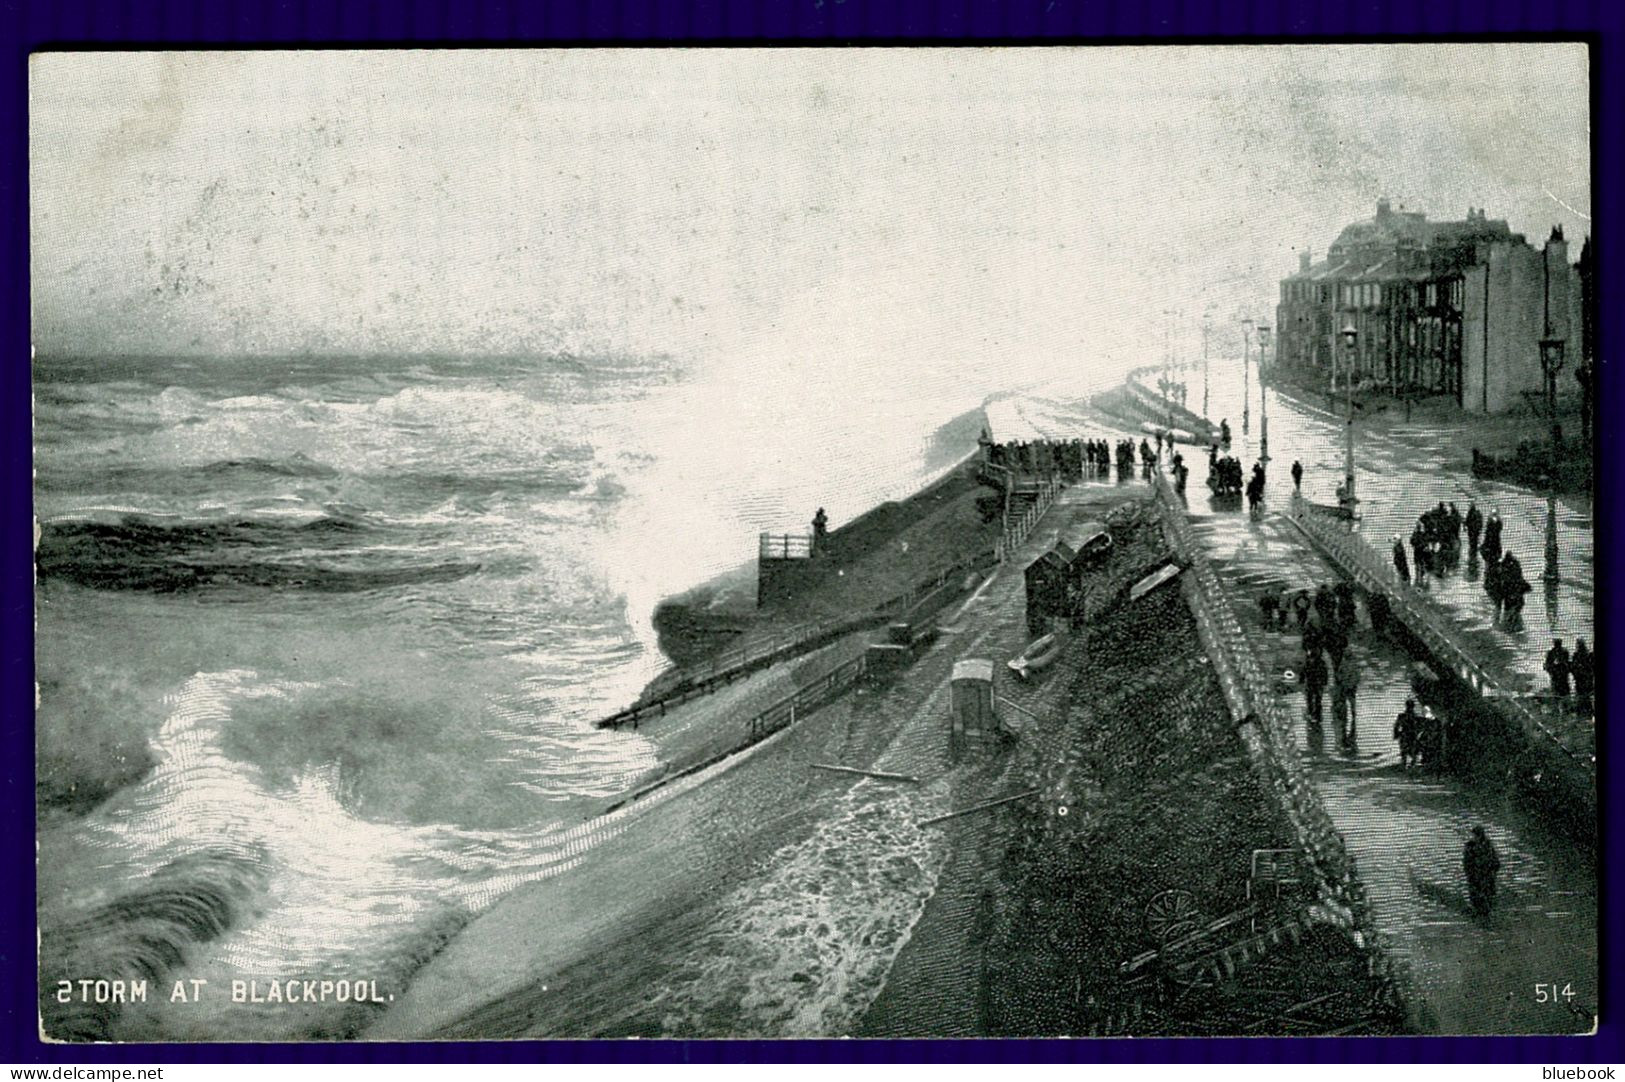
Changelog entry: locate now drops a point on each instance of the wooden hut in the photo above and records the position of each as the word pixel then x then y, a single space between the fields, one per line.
pixel 1054 580
pixel 972 719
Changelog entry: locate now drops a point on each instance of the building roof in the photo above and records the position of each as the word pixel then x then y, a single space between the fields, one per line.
pixel 974 668
pixel 1079 534
pixel 1366 249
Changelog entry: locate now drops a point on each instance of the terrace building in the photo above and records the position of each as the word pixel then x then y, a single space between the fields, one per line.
pixel 1453 308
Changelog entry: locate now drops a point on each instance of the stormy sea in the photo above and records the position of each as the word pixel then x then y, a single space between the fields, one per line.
pixel 321 643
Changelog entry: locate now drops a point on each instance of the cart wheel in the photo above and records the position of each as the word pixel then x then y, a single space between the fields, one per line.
pixel 1170 915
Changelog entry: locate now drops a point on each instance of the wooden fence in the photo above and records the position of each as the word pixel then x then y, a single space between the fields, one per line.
pixel 784 546
pixel 1017 531
pixel 757 652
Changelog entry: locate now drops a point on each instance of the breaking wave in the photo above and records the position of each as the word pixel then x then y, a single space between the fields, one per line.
pixel 136 552
pixel 144 934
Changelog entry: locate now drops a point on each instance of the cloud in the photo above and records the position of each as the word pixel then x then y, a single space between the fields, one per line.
pixel 952 214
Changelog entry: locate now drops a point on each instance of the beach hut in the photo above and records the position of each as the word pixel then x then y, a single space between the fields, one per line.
pixel 972 720
pixel 1054 580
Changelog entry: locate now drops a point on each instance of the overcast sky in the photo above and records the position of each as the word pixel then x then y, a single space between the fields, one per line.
pixel 938 207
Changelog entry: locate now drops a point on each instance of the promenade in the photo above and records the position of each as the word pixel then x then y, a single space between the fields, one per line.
pixel 1406 830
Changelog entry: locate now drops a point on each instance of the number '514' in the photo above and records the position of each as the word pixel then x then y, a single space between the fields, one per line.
pixel 1548 993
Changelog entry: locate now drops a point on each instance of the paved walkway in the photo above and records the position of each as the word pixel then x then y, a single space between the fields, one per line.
pixel 1406 831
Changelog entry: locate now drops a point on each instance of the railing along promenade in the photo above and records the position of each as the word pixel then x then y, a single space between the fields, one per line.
pixel 758 651
pixel 1432 625
pixel 1267 730
pixel 1018 530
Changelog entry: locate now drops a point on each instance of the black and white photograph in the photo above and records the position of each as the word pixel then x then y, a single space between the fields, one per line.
pixel 880 542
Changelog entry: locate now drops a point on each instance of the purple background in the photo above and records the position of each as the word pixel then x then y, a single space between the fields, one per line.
pixel 116 24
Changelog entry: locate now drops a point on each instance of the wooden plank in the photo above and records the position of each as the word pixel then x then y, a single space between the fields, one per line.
pixel 978 807
pixel 881 774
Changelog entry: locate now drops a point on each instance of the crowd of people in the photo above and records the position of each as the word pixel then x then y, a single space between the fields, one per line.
pixel 1073 458
pixel 1077 458
pixel 1324 620
pixel 1223 474
pixel 1436 548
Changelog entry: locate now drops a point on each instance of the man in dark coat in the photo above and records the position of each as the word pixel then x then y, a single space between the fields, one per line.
pixel 1336 642
pixel 1419 541
pixel 1315 677
pixel 1474 523
pixel 1481 863
pixel 1401 564
pixel 1300 608
pixel 1313 639
pixel 1513 585
pixel 1492 538
pixel 1297 474
pixel 1432 742
pixel 1407 730
pixel 1325 606
pixel 1559 666
pixel 1584 678
pixel 1377 607
pixel 1347 613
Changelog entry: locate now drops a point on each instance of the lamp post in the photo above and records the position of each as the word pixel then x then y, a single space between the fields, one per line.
pixel 1246 381
pixel 1168 364
pixel 1206 328
pixel 1346 498
pixel 1263 397
pixel 1551 363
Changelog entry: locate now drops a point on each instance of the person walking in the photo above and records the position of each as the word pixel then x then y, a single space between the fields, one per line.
pixel 1495 586
pixel 1559 666
pixel 820 525
pixel 1584 677
pixel 1481 863
pixel 1514 585
pixel 1300 608
pixel 1419 551
pixel 1491 548
pixel 1325 606
pixel 1268 605
pixel 1348 614
pixel 1401 565
pixel 1474 522
pixel 1407 728
pixel 1314 684
pixel 1348 689
pixel 1297 475
pixel 1336 642
pixel 1430 741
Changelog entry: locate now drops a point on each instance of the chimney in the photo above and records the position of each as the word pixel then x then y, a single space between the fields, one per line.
pixel 1303 261
pixel 1383 207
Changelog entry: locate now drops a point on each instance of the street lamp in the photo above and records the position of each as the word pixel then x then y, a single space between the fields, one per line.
pixel 1551 363
pixel 1345 495
pixel 1263 397
pixel 1207 327
pixel 1246 381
